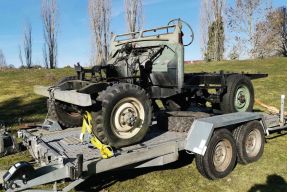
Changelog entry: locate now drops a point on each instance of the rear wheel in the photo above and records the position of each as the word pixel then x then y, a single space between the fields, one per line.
pixel 239 96
pixel 66 114
pixel 249 141
pixel 220 156
pixel 125 115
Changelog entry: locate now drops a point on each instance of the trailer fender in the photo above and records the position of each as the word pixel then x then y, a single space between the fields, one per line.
pixel 202 129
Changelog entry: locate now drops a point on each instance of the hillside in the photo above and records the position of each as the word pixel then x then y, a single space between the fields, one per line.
pixel 18 103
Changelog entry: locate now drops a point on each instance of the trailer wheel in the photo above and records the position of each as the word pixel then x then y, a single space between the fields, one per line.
pixel 125 115
pixel 239 96
pixel 220 156
pixel 249 142
pixel 66 115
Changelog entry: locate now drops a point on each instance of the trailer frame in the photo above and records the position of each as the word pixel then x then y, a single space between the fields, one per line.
pixel 78 162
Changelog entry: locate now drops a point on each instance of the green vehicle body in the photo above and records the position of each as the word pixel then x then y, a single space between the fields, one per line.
pixel 152 61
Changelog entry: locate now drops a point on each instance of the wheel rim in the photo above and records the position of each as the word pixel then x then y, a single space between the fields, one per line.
pixel 242 98
pixel 222 155
pixel 253 143
pixel 127 118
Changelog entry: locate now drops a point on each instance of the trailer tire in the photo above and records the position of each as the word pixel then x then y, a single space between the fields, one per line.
pixel 250 142
pixel 124 117
pixel 239 95
pixel 66 118
pixel 220 156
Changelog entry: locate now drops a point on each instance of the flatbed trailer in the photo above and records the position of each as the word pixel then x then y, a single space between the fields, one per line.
pixel 62 156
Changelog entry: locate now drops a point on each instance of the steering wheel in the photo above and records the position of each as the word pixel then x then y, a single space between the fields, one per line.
pixel 188 26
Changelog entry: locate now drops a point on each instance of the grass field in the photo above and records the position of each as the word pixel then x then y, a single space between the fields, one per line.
pixel 269 174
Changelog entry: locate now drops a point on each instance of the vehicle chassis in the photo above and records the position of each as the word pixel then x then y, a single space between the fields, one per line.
pixel 158 55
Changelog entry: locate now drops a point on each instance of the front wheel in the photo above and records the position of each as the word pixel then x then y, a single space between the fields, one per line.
pixel 220 156
pixel 67 115
pixel 125 115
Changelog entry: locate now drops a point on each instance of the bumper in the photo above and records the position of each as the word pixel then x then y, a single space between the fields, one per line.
pixel 73 97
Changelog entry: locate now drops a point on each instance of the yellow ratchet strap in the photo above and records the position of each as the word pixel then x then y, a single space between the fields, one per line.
pixel 105 150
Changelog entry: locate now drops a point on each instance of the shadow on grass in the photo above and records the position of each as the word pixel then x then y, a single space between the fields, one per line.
pixel 14 112
pixel 258 111
pixel 274 183
pixel 279 134
pixel 104 180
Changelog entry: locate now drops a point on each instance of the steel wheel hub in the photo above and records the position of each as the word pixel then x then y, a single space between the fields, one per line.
pixel 242 98
pixel 222 155
pixel 127 117
pixel 253 143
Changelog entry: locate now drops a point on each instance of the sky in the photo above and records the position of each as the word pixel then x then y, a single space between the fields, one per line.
pixel 74 33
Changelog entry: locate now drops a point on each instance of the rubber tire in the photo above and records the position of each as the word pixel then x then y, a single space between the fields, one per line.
pixel 101 119
pixel 240 134
pixel 59 114
pixel 233 82
pixel 26 169
pixel 205 164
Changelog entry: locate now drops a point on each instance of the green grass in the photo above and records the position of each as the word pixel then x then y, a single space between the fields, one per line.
pixel 18 101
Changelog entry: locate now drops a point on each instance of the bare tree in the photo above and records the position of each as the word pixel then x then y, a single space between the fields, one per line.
pixel 271 35
pixel 45 57
pixel 234 53
pixel 20 56
pixel 134 14
pixel 27 46
pixel 3 63
pixel 205 22
pixel 100 18
pixel 50 23
pixel 242 20
pixel 212 29
pixel 265 39
pixel 283 31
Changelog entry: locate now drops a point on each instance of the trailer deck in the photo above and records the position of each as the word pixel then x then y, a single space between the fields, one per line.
pixel 66 144
pixel 62 156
